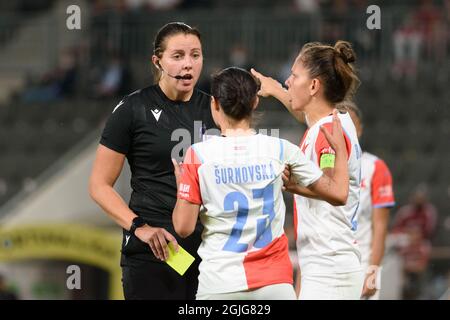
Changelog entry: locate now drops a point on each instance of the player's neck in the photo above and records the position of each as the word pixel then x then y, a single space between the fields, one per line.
pixel 174 94
pixel 235 129
pixel 317 111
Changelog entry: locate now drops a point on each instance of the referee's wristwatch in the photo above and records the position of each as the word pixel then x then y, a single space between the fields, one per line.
pixel 136 223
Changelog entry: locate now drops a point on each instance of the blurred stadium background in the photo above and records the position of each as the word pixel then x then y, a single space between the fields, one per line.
pixel 57 86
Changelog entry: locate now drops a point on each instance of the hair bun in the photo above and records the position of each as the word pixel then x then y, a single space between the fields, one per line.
pixel 345 51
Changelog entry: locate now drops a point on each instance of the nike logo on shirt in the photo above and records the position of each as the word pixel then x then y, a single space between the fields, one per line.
pixel 127 238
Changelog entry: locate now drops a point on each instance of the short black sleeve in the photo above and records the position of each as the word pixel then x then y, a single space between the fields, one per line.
pixel 117 133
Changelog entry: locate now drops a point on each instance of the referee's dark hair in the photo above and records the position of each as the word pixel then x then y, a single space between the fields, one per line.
pixel 167 31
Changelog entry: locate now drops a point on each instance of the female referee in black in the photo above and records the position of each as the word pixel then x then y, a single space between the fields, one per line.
pixel 140 129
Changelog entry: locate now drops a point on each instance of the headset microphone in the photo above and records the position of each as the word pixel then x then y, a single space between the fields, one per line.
pixel 178 77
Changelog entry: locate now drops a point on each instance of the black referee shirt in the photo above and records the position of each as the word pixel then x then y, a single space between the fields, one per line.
pixel 150 129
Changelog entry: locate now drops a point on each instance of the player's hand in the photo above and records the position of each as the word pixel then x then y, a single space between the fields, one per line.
pixel 177 171
pixel 288 182
pixel 268 84
pixel 157 239
pixel 286 176
pixel 369 288
pixel 336 137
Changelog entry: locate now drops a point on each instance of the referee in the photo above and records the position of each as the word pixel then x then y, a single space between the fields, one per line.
pixel 142 128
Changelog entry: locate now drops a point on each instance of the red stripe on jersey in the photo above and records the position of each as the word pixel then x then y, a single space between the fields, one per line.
pixel 295 220
pixel 323 147
pixel 382 191
pixel 189 188
pixel 270 265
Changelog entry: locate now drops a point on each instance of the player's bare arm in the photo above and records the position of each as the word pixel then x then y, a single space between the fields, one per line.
pixel 271 87
pixel 380 219
pixel 185 217
pixel 333 185
pixel 185 213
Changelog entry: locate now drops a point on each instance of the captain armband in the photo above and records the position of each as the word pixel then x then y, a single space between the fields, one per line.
pixel 327 160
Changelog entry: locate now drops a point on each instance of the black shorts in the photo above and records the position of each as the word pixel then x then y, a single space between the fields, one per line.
pixel 145 277
pixel 153 280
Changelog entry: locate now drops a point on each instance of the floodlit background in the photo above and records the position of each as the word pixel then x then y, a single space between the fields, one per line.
pixel 57 86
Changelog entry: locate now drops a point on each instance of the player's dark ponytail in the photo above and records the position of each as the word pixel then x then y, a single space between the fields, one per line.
pixel 236 90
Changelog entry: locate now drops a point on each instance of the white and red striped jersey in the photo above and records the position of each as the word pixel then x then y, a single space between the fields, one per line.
pixel 238 180
pixel 376 192
pixel 326 239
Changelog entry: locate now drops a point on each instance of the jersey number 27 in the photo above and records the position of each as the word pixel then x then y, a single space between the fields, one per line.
pixel 263 229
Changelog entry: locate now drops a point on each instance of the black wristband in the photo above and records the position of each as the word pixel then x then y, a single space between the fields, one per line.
pixel 136 223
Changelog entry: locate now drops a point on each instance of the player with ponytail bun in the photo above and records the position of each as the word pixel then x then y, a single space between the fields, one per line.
pixel 323 76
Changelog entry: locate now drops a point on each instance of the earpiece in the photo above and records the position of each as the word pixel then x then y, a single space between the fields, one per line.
pixel 178 77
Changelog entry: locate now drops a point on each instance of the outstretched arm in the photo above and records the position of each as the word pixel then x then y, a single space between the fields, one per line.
pixel 271 87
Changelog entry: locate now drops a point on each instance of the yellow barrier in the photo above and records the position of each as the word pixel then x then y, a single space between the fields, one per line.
pixel 76 243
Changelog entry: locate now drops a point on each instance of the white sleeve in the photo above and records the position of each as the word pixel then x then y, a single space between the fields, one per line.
pixel 304 171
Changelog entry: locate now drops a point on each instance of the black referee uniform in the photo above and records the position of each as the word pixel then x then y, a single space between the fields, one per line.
pixel 142 126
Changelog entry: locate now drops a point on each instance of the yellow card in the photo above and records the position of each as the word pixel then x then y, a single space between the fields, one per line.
pixel 179 261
